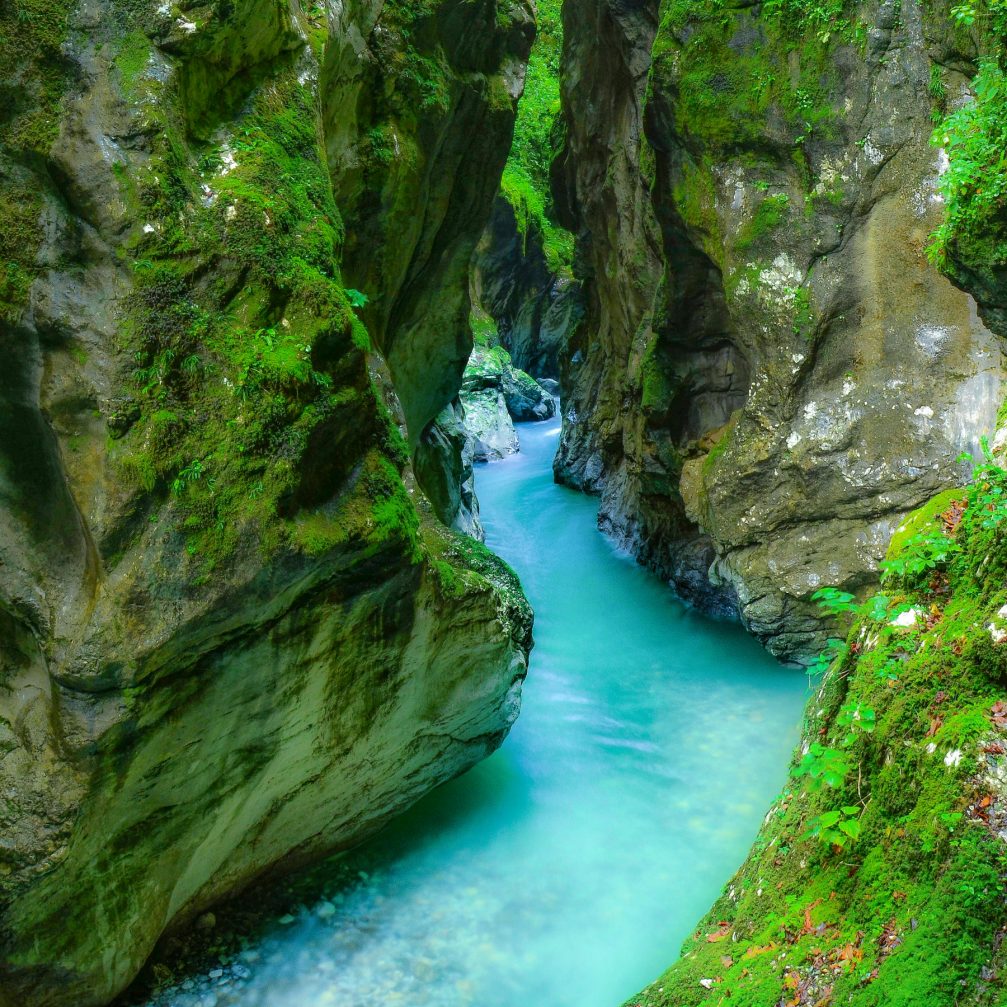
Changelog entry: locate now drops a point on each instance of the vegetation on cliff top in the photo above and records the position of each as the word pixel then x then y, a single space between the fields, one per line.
pixel 525 182
pixel 975 138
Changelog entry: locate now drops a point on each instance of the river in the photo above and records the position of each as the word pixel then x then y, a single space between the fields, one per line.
pixel 565 870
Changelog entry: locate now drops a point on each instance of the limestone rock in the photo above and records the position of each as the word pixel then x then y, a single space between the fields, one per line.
pixel 233 634
pixel 535 309
pixel 495 394
pixel 780 296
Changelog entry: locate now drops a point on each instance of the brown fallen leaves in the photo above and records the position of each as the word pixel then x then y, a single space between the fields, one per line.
pixel 952 517
pixel 998 714
pixel 889 939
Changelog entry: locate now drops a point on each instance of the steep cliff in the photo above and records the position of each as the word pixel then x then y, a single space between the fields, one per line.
pixel 878 875
pixel 523 266
pixel 233 635
pixel 772 373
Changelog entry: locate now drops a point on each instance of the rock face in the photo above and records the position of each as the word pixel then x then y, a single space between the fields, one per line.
pixel 535 308
pixel 494 395
pixel 770 374
pixel 233 634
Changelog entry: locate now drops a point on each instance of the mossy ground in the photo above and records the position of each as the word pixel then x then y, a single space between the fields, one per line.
pixel 911 912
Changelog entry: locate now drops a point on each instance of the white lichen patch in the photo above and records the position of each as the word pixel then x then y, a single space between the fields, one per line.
pixel 227 160
pixel 924 411
pixel 778 283
pixel 931 339
pixel 907 619
pixel 953 757
pixel 872 153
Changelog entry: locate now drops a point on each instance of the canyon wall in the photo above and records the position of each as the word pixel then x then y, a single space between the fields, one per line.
pixel 234 634
pixel 771 373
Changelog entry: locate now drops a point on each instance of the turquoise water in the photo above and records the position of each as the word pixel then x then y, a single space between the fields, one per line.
pixel 565 870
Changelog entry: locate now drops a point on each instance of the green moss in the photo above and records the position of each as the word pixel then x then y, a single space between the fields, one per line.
pixel 526 184
pixel 132 56
pixel 975 185
pixel 657 388
pixel 484 328
pixel 923 519
pixel 726 91
pixel 695 197
pixel 718 449
pixel 768 216
pixel 36 75
pixel 253 403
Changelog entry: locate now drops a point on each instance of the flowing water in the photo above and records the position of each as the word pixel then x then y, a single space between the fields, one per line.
pixel 565 870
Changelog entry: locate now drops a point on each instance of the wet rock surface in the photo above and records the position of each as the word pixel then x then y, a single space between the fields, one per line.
pixel 494 395
pixel 771 374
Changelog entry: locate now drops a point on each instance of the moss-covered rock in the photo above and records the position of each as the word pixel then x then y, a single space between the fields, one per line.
pixel 495 394
pixel 798 324
pixel 233 633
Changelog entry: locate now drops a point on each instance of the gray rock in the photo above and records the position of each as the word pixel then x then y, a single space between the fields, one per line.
pixel 786 376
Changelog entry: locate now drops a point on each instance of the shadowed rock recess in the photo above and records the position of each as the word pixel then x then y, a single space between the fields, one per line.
pixel 234 240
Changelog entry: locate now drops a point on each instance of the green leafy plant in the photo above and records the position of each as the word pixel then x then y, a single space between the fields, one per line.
pixel 949 819
pixel 832 601
pixel 837 827
pixel 192 473
pixel 834 649
pixel 877 608
pixel 964 14
pixel 356 298
pixel 989 491
pixel 921 554
pixel 888 672
pixel 822 765
pixel 975 136
pixel 856 718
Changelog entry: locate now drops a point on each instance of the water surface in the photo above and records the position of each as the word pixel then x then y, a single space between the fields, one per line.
pixel 565 870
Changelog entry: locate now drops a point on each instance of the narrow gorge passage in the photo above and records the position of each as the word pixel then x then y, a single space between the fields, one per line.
pixel 565 870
